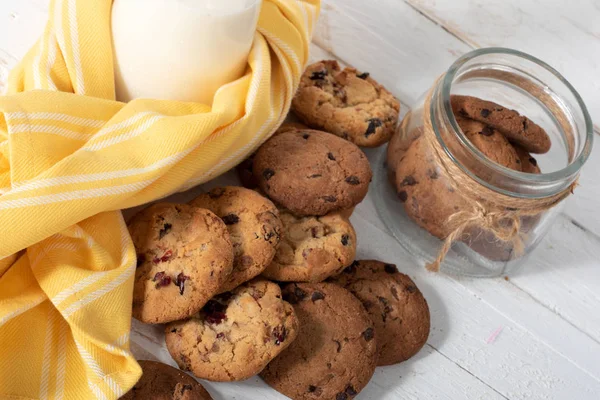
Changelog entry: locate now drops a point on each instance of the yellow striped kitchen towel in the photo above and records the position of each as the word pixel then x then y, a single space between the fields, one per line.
pixel 71 157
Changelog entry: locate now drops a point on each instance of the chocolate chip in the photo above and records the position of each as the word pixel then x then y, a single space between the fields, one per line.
pixel 368 304
pixel 352 268
pixel 353 180
pixel 315 176
pixel 525 124
pixel 487 131
pixel 329 199
pixel 345 240
pixel 409 181
pixel 341 94
pixel 141 259
pixel 374 123
pixel 180 282
pixel 339 346
pixel 403 196
pixel 216 193
pixel 231 219
pixel 312 389
pixel 533 161
pixel 164 231
pixel 296 296
pixel 390 268
pixel 432 174
pixel 318 75
pixel 485 113
pixel 268 174
pixel 341 396
pixel 317 296
pixel 364 75
pixel 350 391
pixel 185 388
pixel 518 161
pixel 174 330
pixel 331 156
pixel 161 279
pixel 369 334
pixel 411 289
pixel 305 136
pixel 279 334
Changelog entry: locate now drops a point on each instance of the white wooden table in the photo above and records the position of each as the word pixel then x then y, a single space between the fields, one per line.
pixel 534 336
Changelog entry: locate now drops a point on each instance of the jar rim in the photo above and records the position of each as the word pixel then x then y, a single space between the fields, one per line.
pixel 567 174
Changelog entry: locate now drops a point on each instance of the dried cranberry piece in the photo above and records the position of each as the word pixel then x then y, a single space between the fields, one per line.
pixel 314 232
pixel 318 75
pixel 161 279
pixel 279 334
pixel 268 173
pixel 220 335
pixel 353 180
pixel 166 257
pixel 164 231
pixel 180 282
pixel 390 268
pixel 364 75
pixel 374 123
pixel 231 219
pixel 216 318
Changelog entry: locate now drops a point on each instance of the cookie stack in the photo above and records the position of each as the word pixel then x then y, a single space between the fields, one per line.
pixel 265 281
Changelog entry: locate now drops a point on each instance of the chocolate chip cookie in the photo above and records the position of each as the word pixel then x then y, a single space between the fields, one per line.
pixel 163 382
pixel 347 103
pixel 396 306
pixel 335 353
pixel 516 127
pixel 244 169
pixel 254 227
pixel 312 172
pixel 184 255
pixel 425 190
pixel 490 142
pixel 236 334
pixel 313 248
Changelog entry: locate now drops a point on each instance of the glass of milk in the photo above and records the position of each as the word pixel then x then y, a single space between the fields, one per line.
pixel 180 49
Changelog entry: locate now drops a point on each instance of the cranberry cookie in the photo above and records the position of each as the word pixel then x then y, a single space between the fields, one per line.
pixel 312 172
pixel 163 382
pixel 516 127
pixel 254 227
pixel 395 305
pixel 335 353
pixel 347 103
pixel 185 256
pixel 236 334
pixel 313 248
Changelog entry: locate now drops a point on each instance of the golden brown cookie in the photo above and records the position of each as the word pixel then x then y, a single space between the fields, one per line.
pixel 312 172
pixel 185 256
pixel 347 103
pixel 335 353
pixel 490 142
pixel 244 169
pixel 396 306
pixel 163 382
pixel 313 248
pixel 516 127
pixel 254 227
pixel 424 189
pixel 236 334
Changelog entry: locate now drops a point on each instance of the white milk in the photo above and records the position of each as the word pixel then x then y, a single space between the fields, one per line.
pixel 180 49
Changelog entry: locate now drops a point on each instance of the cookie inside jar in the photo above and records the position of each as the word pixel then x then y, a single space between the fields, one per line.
pixel 482 164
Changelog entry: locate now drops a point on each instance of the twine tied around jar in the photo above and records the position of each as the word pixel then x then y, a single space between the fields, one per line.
pixel 491 210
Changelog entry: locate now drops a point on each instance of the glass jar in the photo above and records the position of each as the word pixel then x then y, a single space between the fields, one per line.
pixel 440 196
